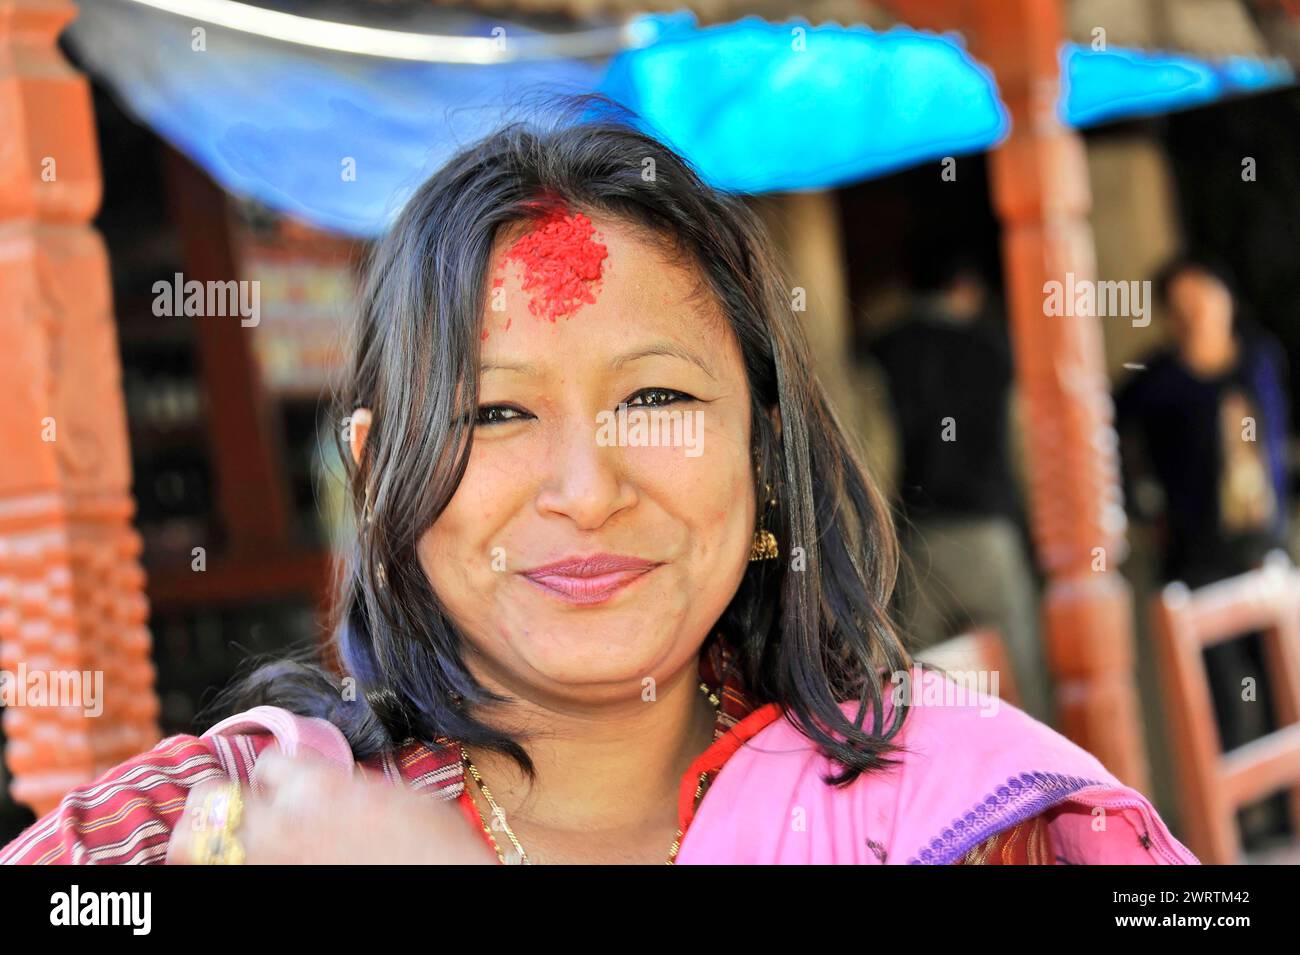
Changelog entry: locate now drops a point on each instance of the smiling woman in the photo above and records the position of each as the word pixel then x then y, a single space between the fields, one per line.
pixel 601 650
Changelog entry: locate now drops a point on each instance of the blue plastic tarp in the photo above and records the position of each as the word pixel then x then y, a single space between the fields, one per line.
pixel 341 141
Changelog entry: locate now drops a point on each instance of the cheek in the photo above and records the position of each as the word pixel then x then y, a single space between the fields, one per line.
pixel 707 484
pixel 713 502
pixel 710 496
pixel 458 548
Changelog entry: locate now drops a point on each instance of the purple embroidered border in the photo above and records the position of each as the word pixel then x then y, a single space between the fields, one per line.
pixel 1023 797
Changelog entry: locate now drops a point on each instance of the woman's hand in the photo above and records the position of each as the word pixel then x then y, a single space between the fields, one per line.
pixel 308 812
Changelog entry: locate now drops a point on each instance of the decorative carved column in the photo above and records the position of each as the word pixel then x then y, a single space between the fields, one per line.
pixel 1040 190
pixel 71 585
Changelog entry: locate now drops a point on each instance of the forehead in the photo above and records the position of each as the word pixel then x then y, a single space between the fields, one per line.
pixel 624 287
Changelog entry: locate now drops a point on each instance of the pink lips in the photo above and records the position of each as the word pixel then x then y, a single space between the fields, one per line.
pixel 588 580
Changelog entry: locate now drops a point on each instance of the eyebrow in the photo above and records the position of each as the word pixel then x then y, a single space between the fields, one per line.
pixel 668 350
pixel 522 368
pixel 663 348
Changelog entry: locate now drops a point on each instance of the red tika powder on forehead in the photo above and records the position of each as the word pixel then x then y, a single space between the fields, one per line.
pixel 561 263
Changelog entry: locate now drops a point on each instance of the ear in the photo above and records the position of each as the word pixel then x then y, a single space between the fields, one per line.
pixel 358 432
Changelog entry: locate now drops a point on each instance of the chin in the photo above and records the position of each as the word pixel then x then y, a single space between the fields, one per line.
pixel 613 650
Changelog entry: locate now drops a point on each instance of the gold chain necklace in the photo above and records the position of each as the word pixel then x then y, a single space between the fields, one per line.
pixel 499 815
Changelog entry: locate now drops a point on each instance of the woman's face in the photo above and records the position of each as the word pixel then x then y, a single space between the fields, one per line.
pixel 559 479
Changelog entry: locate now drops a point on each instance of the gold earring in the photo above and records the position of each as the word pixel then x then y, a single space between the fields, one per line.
pixel 764 546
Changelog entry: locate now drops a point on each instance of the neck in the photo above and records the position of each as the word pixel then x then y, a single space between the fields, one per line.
pixel 612 768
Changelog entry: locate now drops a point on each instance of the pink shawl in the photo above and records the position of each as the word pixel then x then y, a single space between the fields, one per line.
pixel 968 770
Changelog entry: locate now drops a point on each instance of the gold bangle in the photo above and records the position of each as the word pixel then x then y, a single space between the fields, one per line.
pixel 215 842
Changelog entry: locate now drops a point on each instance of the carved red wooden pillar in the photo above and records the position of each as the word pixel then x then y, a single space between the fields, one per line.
pixel 1041 193
pixel 71 585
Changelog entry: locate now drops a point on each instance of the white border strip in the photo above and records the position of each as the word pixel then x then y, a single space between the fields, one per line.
pixel 397 44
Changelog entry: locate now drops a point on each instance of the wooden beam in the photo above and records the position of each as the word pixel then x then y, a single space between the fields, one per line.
pixel 247 579
pixel 1263 766
pixel 935 15
pixel 1207 812
pixel 251 491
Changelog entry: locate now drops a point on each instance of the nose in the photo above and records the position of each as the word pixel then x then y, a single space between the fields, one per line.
pixel 588 484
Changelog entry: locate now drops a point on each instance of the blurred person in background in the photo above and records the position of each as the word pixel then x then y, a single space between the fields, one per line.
pixel 949 371
pixel 1203 426
pixel 1206 419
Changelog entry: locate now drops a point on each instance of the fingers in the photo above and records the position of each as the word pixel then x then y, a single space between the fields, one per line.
pixel 207 808
pixel 295 781
pixel 273 769
pixel 305 810
pixel 274 816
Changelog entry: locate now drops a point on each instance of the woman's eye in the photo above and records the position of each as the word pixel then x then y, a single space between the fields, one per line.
pixel 653 397
pixel 499 414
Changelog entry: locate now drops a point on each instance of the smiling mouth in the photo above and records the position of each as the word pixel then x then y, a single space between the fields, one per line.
pixel 581 586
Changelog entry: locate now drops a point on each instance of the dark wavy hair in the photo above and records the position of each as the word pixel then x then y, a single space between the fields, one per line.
pixel 808 639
